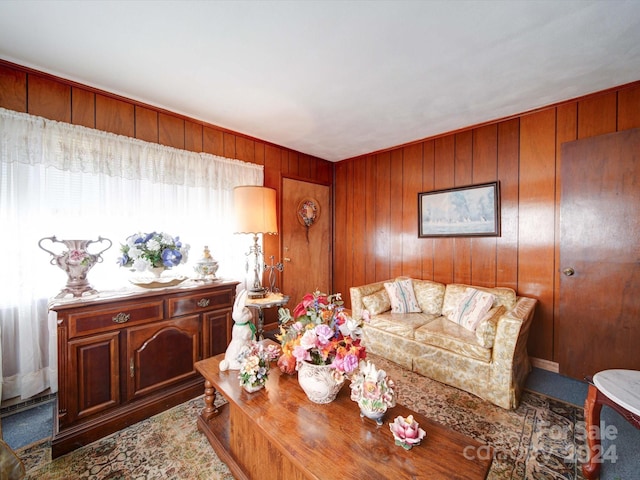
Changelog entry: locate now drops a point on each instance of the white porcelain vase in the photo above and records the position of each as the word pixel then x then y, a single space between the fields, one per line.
pixel 252 387
pixel 156 272
pixel 319 382
pixel 76 261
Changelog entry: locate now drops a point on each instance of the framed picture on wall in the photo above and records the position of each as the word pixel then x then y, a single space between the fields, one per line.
pixel 470 211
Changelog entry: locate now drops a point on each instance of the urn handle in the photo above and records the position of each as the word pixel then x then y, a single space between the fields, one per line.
pixel 101 239
pixel 203 302
pixel 52 240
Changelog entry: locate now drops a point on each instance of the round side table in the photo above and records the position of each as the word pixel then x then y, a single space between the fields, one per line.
pixel 618 389
pixel 270 301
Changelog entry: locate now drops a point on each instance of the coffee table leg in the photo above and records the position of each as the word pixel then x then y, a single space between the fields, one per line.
pixel 209 409
pixel 592 408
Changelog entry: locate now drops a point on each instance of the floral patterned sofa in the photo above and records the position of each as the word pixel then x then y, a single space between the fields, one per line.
pixel 472 338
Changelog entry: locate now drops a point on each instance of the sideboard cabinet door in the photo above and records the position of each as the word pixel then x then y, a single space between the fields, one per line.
pixel 217 332
pixel 94 367
pixel 161 353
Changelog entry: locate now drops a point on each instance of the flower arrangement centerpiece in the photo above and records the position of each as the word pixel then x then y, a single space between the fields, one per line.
pixel 320 333
pixel 152 251
pixel 254 361
pixel 373 391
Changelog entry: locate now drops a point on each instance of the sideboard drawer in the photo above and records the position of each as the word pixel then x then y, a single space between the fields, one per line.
pixel 98 320
pixel 188 304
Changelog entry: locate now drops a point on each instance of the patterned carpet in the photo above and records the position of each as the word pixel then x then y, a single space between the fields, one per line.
pixel 543 438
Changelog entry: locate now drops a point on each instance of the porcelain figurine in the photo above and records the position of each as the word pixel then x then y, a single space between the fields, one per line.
pixel 242 334
pixel 206 267
pixel 373 391
pixel 407 432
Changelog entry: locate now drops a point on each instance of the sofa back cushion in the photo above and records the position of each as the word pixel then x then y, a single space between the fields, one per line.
pixel 429 295
pixel 377 302
pixel 455 291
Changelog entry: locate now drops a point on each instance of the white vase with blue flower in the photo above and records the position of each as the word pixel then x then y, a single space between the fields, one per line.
pixel 153 252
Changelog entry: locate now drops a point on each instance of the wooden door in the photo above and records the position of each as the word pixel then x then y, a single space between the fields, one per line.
pixel 599 307
pixel 306 239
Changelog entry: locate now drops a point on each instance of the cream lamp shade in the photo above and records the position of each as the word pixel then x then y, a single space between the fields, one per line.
pixel 255 209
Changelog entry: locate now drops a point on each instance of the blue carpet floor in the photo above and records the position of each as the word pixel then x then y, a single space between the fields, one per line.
pixel 621 444
pixel 28 426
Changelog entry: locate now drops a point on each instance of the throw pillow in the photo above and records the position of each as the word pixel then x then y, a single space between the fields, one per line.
pixel 377 302
pixel 402 298
pixel 472 308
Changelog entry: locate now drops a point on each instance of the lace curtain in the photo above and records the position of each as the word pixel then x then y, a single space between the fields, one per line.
pixel 78 183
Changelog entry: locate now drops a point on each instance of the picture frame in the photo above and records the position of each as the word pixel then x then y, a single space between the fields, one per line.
pixel 468 211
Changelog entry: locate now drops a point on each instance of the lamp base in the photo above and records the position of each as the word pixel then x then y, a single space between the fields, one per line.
pixel 257 292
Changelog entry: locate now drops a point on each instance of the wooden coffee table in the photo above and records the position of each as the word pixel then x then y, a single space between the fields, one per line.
pixel 277 432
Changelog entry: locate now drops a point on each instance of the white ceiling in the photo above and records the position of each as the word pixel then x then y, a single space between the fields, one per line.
pixel 333 79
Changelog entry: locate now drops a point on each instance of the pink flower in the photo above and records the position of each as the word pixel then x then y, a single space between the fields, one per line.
pixel 309 340
pixel 370 390
pixel 307 301
pixel 301 354
pixel 324 334
pixel 346 364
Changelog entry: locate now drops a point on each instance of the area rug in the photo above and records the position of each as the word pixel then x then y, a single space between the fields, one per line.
pixel 542 439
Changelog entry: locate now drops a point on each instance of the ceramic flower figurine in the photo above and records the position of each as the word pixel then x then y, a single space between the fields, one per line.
pixel 373 391
pixel 406 432
pixel 254 362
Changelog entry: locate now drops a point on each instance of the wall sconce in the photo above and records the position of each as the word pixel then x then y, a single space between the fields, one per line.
pixel 255 209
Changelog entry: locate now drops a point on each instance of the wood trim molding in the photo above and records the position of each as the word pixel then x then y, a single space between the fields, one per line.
pixel 545 364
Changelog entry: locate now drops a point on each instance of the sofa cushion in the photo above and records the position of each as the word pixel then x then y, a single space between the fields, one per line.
pixel 403 324
pixel 403 300
pixel 377 302
pixel 471 308
pixel 454 291
pixel 429 296
pixel 445 334
pixel 488 326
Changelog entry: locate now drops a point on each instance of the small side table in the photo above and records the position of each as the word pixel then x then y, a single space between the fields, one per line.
pixel 618 389
pixel 270 301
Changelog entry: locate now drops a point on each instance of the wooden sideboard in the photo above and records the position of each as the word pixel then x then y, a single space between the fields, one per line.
pixel 125 358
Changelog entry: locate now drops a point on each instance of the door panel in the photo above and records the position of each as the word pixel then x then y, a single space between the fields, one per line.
pixel 161 353
pixel 306 248
pixel 94 368
pixel 599 309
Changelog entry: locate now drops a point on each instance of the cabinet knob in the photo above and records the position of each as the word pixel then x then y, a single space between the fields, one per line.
pixel 204 302
pixel 121 318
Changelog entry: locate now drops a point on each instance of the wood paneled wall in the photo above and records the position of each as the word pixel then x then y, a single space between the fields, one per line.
pixel 376 195
pixel 37 93
pixel 376 204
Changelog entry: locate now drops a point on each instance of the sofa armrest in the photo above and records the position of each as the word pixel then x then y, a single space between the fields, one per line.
pixel 513 332
pixel 356 294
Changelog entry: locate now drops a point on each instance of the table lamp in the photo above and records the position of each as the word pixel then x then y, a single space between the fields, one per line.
pixel 255 209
